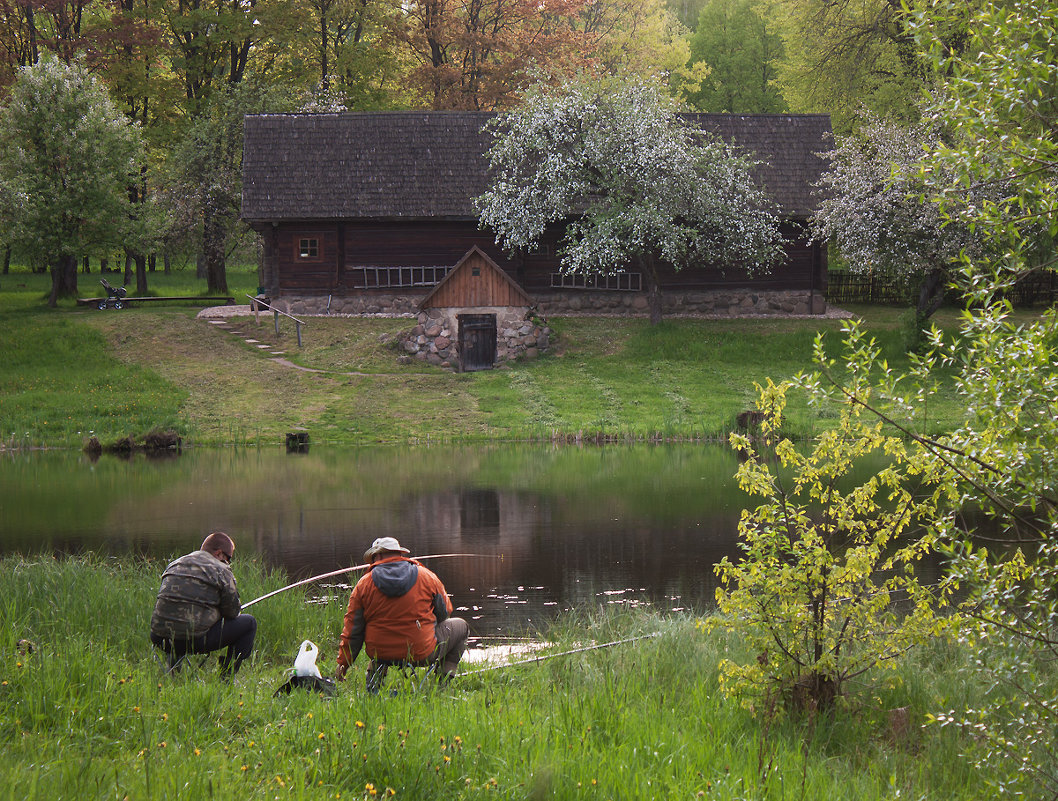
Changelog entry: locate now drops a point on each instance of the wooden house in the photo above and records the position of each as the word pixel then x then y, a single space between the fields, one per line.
pixel 368 213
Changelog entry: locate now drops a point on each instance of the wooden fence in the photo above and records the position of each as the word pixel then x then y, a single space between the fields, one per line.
pixel 844 287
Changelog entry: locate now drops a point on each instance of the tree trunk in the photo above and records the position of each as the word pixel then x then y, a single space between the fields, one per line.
pixel 85 266
pixel 152 262
pixel 7 260
pixel 931 294
pixel 141 273
pixel 213 251
pixel 129 269
pixel 63 278
pixel 167 262
pixel 200 266
pixel 653 287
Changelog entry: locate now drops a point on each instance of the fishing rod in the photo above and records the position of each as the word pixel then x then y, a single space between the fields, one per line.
pixel 561 653
pixel 356 567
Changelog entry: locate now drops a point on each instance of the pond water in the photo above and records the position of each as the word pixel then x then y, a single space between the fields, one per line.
pixel 550 528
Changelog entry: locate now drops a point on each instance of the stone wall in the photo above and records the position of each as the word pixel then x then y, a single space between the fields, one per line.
pixel 435 338
pixel 719 303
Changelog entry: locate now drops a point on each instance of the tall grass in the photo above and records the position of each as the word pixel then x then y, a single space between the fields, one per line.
pixel 89 713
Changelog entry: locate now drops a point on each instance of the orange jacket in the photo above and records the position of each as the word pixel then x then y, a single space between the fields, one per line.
pixel 392 612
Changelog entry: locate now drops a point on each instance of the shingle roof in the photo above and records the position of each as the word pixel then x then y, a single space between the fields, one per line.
pixel 430 164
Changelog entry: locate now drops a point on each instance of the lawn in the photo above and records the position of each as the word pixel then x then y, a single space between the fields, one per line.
pixel 75 371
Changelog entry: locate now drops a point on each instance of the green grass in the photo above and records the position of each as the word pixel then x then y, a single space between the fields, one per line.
pixel 89 714
pixel 74 370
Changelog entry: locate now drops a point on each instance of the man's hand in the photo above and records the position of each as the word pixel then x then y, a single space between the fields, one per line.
pixel 339 673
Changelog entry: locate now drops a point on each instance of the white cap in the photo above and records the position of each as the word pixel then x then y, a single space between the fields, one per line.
pixel 381 545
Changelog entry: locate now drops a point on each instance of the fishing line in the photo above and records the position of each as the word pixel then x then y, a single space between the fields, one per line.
pixel 561 653
pixel 359 567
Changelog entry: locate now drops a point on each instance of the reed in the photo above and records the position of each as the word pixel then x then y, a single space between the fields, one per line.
pixel 89 714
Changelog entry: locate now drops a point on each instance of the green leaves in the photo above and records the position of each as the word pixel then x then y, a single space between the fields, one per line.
pixel 825 561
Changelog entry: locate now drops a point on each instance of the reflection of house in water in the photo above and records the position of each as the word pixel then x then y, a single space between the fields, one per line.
pixel 481 521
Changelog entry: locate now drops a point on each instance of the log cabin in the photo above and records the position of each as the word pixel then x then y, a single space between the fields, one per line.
pixel 367 213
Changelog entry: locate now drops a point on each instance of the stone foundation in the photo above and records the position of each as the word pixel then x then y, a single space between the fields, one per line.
pixel 715 303
pixel 435 339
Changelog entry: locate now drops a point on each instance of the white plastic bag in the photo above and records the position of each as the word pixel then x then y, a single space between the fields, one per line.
pixel 305 664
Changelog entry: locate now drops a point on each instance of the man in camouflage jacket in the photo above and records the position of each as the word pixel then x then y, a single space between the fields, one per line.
pixel 197 609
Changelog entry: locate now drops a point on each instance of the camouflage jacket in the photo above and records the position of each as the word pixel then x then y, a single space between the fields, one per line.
pixel 197 590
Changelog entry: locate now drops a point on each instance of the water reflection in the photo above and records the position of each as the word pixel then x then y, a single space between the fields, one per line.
pixel 550 529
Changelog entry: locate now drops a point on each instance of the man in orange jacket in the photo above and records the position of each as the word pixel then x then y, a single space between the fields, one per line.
pixel 399 612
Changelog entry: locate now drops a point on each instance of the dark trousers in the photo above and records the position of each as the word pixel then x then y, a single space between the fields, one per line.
pixel 451 637
pixel 237 634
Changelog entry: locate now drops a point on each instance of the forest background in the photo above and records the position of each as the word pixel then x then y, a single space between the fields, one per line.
pixel 185 71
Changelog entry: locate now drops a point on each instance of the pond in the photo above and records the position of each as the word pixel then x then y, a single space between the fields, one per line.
pixel 550 528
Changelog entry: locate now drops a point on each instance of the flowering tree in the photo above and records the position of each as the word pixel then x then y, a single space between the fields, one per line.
pixel 631 182
pixel 66 165
pixel 882 216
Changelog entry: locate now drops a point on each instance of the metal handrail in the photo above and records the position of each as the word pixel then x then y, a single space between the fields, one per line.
pixel 256 303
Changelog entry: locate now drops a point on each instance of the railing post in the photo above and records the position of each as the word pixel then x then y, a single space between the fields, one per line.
pixel 275 314
pixel 298 326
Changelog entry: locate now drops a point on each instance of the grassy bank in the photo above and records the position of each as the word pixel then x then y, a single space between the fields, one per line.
pixel 74 371
pixel 89 713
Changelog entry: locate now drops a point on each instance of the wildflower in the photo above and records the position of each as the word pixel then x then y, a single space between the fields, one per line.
pixel 369 787
pixel 162 744
pixel 4 683
pixel 360 724
pixel 457 740
pixel 18 664
pixel 308 715
pixel 594 782
pixel 381 726
pixel 244 768
pixel 321 736
pixel 448 759
pixel 198 752
pixel 165 716
pixel 390 792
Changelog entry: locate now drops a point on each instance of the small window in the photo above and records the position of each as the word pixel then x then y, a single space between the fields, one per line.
pixel 475 271
pixel 309 249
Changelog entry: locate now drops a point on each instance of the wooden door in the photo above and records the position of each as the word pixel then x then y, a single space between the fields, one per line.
pixel 477 341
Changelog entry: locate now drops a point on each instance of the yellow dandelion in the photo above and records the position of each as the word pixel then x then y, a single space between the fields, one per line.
pixel 308 715
pixel 198 752
pixel 18 664
pixel 165 716
pixel 390 792
pixel 3 683
pixel 321 736
pixel 594 782
pixel 360 724
pixel 448 759
pixel 252 743
pixel 381 726
pixel 162 744
pixel 369 787
pixel 244 768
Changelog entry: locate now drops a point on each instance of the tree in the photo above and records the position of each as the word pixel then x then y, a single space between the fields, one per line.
pixel 480 54
pixel 206 183
pixel 881 214
pixel 994 172
pixel 741 50
pixel 844 56
pixel 68 160
pixel 824 558
pixel 999 101
pixel 632 184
